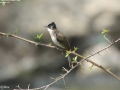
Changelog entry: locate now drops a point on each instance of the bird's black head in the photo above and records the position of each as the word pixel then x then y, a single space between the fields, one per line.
pixel 52 26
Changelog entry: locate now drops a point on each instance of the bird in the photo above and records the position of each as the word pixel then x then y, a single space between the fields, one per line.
pixel 59 39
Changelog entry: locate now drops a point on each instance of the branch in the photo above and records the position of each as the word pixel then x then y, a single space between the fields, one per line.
pixel 26 40
pixel 72 52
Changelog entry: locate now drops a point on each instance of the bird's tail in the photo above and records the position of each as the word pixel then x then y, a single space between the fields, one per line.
pixel 70 62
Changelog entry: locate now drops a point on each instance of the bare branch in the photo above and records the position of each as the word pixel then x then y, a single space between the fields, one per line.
pixel 65 84
pixel 64 69
pixel 18 87
pixel 29 87
pixel 72 52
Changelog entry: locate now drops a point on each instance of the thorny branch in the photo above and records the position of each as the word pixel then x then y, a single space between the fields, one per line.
pixel 72 52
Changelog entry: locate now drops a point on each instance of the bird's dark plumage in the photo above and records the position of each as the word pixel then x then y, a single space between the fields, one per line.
pixel 62 39
pixel 52 26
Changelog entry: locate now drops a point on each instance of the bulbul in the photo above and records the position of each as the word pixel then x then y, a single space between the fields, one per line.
pixel 59 39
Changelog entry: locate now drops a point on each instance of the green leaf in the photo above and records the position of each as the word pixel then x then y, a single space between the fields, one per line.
pixel 3 3
pixel 109 69
pixel 67 53
pixel 75 59
pixel 8 34
pixel 50 44
pixel 90 68
pixel 16 31
pixel 84 56
pixel 75 49
pixel 105 31
pixel 39 36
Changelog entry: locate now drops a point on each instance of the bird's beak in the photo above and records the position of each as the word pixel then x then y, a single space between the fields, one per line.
pixel 46 26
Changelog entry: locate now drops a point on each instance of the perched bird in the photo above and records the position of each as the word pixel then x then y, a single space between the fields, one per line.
pixel 59 39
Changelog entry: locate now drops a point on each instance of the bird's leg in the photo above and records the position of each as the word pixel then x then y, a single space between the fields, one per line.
pixel 62 50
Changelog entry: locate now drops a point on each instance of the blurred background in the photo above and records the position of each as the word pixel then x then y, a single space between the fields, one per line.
pixel 82 21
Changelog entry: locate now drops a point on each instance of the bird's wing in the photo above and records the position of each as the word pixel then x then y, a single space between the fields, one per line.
pixel 62 39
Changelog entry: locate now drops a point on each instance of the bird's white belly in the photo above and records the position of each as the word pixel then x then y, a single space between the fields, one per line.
pixel 56 42
pixel 54 39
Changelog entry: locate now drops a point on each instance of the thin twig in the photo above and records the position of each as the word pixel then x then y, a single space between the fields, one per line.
pixel 65 84
pixel 29 41
pixel 18 87
pixel 107 39
pixel 29 87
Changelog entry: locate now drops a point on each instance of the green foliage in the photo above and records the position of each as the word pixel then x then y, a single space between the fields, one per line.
pixel 38 37
pixel 8 34
pixel 109 69
pixel 84 56
pixel 106 35
pixel 75 49
pixel 50 44
pixel 15 32
pixel 91 67
pixel 67 53
pixel 105 31
pixel 3 3
pixel 75 59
